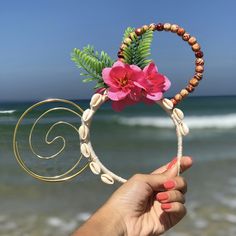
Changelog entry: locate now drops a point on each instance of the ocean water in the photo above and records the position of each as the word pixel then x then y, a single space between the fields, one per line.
pixel 139 139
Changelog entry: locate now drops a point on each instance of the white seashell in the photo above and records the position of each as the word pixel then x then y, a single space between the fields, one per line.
pixel 95 168
pixel 87 115
pixel 83 132
pixel 167 103
pixel 178 114
pixel 104 97
pixel 107 179
pixel 84 148
pixel 184 129
pixel 96 100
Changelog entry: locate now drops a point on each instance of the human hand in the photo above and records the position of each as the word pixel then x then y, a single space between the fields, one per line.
pixel 151 204
pixel 144 205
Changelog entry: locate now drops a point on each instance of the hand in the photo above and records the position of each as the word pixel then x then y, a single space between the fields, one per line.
pixel 144 205
pixel 152 204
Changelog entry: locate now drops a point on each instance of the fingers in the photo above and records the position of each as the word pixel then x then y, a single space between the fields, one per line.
pixel 170 196
pixel 177 183
pixel 185 163
pixel 172 199
pixel 174 207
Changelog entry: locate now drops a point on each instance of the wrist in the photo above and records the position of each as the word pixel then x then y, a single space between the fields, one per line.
pixel 106 221
pixel 113 220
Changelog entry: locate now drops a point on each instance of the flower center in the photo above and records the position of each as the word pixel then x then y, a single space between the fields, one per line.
pixel 123 81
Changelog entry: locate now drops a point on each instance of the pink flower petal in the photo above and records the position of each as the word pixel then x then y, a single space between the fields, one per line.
pixel 150 68
pixel 167 84
pixel 135 94
pixel 116 94
pixel 121 104
pixel 118 73
pixel 106 75
pixel 140 85
pixel 135 68
pixel 119 63
pixel 155 96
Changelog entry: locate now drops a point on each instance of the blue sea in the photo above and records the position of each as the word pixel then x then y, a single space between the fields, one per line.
pixel 139 139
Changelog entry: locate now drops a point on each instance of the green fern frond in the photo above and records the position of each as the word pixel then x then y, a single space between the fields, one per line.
pixel 92 63
pixel 127 32
pixel 138 51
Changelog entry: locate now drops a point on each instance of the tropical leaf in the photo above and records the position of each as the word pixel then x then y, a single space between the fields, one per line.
pixel 92 63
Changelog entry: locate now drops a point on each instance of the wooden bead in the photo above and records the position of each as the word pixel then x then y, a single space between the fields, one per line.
pixel 152 26
pixel 180 31
pixel 192 40
pixel 138 31
pixel 123 46
pixel 199 54
pixel 196 47
pixel 186 36
pixel 127 41
pixel 167 26
pixel 178 97
pixel 199 61
pixel 132 36
pixel 159 27
pixel 174 28
pixel 194 82
pixel 190 88
pixel 174 101
pixel 199 69
pixel 120 55
pixel 198 76
pixel 184 93
pixel 145 28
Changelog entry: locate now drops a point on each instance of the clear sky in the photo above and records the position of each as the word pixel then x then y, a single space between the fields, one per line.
pixel 38 36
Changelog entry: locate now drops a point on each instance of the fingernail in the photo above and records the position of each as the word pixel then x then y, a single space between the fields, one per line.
pixel 166 206
pixel 171 163
pixel 162 196
pixel 169 184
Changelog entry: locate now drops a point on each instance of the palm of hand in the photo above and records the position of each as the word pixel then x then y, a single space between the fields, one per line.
pixel 148 214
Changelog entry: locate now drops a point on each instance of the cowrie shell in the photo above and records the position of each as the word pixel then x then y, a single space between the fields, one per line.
pixel 107 179
pixel 178 114
pixel 84 148
pixel 95 168
pixel 96 100
pixel 83 132
pixel 87 114
pixel 184 129
pixel 167 103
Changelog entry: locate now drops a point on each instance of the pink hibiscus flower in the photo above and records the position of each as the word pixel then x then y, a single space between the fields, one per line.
pixel 122 80
pixel 154 84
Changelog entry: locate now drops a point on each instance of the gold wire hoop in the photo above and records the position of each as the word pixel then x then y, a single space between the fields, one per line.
pixel 71 172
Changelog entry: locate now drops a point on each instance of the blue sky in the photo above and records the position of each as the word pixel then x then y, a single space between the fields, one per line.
pixel 37 37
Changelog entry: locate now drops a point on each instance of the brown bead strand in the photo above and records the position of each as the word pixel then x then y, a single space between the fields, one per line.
pixel 192 41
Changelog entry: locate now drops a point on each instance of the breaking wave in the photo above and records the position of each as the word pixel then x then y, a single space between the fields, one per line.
pixel 7 112
pixel 225 121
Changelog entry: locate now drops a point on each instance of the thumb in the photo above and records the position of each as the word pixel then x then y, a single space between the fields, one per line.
pixel 172 172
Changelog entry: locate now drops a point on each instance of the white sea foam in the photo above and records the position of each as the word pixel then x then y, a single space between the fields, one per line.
pixel 83 216
pixel 7 112
pixel 225 121
pixel 231 218
pixel 62 225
